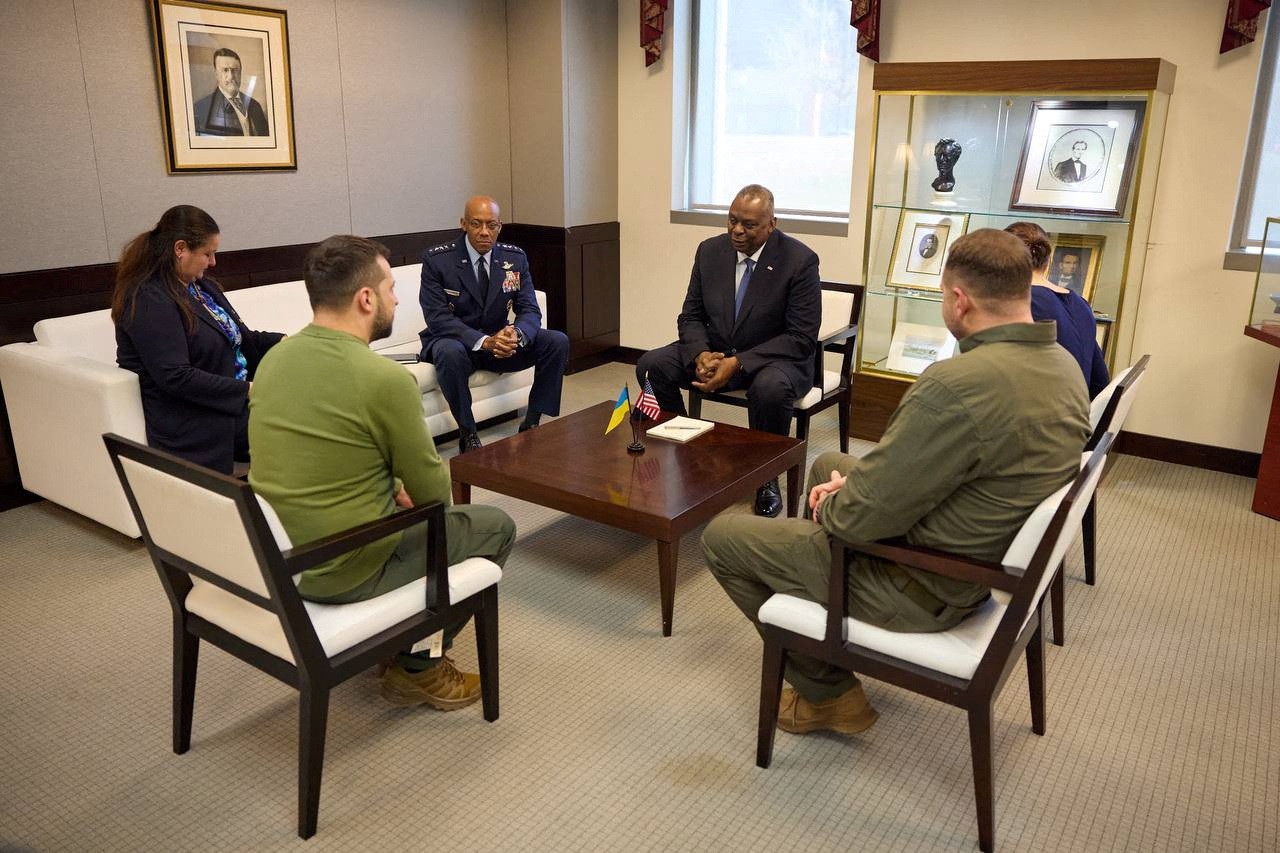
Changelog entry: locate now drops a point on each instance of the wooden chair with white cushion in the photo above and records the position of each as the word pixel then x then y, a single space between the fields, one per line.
pixel 965 666
pixel 1107 414
pixel 228 568
pixel 838 333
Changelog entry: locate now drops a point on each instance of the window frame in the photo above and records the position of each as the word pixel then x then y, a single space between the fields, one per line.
pixel 684 209
pixel 1241 253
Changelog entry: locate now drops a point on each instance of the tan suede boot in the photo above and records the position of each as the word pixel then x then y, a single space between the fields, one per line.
pixel 442 687
pixel 847 714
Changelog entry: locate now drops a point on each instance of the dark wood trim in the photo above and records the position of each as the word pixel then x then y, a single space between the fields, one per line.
pixel 628 355
pixel 1044 75
pixel 1207 456
pixel 13 496
pixel 875 398
pixel 1265 332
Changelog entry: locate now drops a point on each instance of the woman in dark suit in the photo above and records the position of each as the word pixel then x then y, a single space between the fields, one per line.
pixel 175 329
pixel 1077 329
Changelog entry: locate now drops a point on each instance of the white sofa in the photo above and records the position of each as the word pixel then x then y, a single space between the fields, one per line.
pixel 64 391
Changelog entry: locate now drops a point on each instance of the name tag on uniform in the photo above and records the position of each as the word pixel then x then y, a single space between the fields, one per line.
pixel 448 292
pixel 511 281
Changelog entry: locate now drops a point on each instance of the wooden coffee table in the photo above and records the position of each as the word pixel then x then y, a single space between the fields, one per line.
pixel 570 465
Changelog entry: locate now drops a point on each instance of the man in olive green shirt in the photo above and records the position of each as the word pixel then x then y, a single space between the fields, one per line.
pixel 975 445
pixel 339 440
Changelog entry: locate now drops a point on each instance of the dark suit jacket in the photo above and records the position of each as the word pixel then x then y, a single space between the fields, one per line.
pixel 192 405
pixel 1066 172
pixel 216 117
pixel 453 305
pixel 780 314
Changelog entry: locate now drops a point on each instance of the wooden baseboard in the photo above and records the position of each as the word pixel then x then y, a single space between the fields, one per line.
pixel 1207 456
pixel 12 496
pixel 627 355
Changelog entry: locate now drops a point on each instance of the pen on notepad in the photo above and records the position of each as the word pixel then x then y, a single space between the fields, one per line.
pixel 677 427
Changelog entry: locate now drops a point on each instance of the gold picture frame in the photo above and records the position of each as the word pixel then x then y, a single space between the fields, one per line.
pixel 920 248
pixel 1075 260
pixel 225 93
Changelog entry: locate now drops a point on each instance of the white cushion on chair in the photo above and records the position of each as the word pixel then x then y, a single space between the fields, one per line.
pixel 955 652
pixel 830 382
pixel 337 626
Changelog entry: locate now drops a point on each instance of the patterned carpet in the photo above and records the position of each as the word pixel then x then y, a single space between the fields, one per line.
pixel 1162 731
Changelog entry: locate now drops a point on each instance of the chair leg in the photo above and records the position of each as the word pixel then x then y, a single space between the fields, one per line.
pixel 1058 600
pixel 802 425
pixel 1035 674
pixel 843 408
pixel 313 716
pixel 487 651
pixel 186 656
pixel 695 404
pixel 775 661
pixel 983 783
pixel 1090 531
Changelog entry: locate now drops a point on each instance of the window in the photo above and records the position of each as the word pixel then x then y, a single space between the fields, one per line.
pixel 774 94
pixel 1260 182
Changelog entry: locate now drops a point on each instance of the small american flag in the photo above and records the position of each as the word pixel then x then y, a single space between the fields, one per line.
pixel 648 404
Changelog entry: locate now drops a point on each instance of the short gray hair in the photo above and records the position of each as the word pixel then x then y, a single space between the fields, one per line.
pixel 757 192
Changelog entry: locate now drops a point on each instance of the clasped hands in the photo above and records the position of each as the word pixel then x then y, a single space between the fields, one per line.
pixel 713 371
pixel 504 344
pixel 821 492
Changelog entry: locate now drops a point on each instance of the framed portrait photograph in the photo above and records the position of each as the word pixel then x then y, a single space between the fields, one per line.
pixel 920 248
pixel 225 93
pixel 915 346
pixel 1078 157
pixel 1075 261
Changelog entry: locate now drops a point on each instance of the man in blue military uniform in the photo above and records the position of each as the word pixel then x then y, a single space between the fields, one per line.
pixel 477 297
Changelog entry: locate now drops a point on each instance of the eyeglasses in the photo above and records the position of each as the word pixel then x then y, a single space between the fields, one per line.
pixel 491 224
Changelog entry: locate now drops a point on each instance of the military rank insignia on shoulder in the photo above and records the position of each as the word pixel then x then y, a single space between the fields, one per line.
pixel 510 248
pixel 443 247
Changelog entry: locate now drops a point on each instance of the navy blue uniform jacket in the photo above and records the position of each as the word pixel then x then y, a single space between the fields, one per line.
pixel 453 305
pixel 192 405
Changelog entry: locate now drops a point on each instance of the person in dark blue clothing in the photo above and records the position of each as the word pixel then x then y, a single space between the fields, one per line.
pixel 194 357
pixel 1077 328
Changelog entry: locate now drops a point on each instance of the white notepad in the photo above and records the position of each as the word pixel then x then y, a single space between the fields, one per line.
pixel 680 429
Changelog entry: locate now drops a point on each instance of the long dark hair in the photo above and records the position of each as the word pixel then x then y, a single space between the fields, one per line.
pixel 150 257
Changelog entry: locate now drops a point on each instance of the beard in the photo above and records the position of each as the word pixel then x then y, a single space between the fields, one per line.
pixel 382 323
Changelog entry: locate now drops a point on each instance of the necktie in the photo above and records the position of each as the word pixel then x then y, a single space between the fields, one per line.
pixel 742 287
pixel 482 276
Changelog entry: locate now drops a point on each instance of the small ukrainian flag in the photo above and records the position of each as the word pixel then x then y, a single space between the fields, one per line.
pixel 621 409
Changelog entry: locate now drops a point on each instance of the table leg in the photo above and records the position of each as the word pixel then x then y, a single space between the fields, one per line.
pixel 461 492
pixel 667 553
pixel 793 491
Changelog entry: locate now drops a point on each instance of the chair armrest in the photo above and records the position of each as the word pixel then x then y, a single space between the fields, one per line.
pixel 839 336
pixel 322 550
pixel 915 556
pixel 314 553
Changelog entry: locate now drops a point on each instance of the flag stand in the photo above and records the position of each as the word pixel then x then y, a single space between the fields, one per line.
pixel 636 446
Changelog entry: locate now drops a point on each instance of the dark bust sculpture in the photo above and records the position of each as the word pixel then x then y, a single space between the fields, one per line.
pixel 945 154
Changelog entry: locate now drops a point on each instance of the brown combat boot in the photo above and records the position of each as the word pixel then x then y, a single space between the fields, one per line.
pixel 442 687
pixel 847 714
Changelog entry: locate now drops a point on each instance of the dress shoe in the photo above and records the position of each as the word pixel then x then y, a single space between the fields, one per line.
pixel 847 714
pixel 442 687
pixel 527 425
pixel 768 500
pixel 468 441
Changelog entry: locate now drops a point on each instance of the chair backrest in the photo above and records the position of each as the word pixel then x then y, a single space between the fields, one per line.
pixel 841 309
pixel 1109 409
pixel 1039 548
pixel 199 525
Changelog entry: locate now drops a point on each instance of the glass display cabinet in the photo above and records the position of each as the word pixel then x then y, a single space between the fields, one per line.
pixel 1072 145
pixel 1264 315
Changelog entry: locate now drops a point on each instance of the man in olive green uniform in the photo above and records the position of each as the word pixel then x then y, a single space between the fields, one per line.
pixel 340 440
pixel 975 445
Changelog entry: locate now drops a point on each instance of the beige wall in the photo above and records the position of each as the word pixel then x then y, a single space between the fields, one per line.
pixel 1207 383
pixel 400 110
